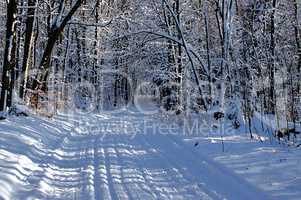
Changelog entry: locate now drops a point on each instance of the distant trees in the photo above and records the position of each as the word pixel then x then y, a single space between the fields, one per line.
pixel 215 53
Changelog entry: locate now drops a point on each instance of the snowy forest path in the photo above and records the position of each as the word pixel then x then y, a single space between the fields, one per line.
pixel 96 157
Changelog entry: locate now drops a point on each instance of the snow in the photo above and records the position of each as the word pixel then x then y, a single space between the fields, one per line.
pixel 72 156
pixel 273 168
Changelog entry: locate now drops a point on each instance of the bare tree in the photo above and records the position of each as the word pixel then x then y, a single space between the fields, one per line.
pixel 57 27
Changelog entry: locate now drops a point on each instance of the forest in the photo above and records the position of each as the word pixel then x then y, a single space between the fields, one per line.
pixel 245 52
pixel 228 71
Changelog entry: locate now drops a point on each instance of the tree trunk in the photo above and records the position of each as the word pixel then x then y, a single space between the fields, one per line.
pixel 179 70
pixel 272 103
pixel 8 73
pixel 298 44
pixel 54 33
pixel 208 52
pixel 27 46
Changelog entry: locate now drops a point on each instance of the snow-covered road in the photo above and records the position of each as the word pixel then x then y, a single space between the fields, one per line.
pixel 70 158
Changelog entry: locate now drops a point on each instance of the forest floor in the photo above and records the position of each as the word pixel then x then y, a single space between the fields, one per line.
pixel 122 156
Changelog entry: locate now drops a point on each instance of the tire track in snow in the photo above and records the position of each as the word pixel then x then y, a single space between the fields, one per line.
pixel 96 177
pixel 109 177
pixel 120 167
pixel 134 185
pixel 212 175
pixel 123 175
pixel 177 171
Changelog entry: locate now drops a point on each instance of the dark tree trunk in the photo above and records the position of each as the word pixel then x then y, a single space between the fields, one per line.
pixel 298 44
pixel 272 103
pixel 8 73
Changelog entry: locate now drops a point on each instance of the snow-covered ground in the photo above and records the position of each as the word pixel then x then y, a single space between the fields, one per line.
pixel 122 156
pixel 274 169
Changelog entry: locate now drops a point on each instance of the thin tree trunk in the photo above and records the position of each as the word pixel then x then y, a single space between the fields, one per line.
pixel 208 52
pixel 27 46
pixel 179 71
pixel 272 103
pixel 298 44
